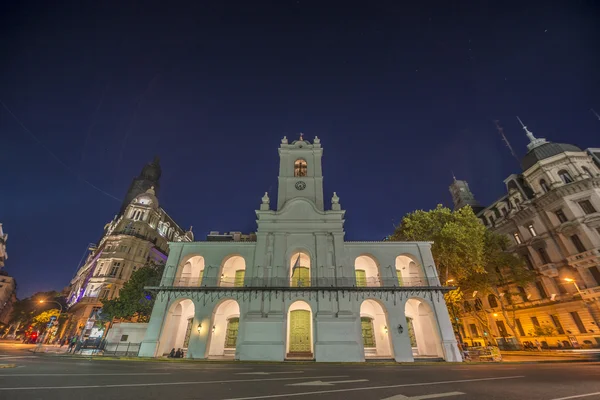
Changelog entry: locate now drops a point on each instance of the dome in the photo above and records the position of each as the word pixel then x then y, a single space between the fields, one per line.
pixel 152 171
pixel 544 151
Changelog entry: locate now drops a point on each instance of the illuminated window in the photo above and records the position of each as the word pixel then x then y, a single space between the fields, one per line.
pixel 300 168
pixel 517 238
pixel 531 230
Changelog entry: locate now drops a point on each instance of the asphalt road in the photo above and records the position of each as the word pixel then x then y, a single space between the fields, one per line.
pixel 56 377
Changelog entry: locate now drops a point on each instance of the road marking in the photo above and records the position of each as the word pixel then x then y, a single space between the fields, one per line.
pixel 7 357
pixel 163 383
pixel 321 383
pixel 269 373
pixel 128 374
pixel 424 396
pixel 577 396
pixel 273 396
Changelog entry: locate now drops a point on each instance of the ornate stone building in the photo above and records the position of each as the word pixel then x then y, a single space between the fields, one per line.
pixel 300 291
pixel 8 286
pixel 138 234
pixel 551 213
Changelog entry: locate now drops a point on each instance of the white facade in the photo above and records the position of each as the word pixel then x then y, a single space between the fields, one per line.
pixel 300 291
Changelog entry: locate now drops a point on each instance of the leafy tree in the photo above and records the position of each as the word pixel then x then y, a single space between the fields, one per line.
pixel 25 310
pixel 458 239
pixel 42 319
pixel 134 302
pixel 474 257
pixel 543 330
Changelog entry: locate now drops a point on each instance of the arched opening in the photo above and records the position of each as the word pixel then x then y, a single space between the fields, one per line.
pixel 410 272
pixel 300 269
pixel 300 168
pixel 544 186
pixel 375 330
pixel 299 328
pixel 178 327
pixel 233 272
pixel 422 329
pixel 565 176
pixel 492 300
pixel 224 329
pixel 367 271
pixel 190 271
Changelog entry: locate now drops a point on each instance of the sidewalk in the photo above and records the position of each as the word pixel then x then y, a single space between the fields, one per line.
pixel 49 348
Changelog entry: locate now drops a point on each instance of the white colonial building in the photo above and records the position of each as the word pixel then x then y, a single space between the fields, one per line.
pixel 300 291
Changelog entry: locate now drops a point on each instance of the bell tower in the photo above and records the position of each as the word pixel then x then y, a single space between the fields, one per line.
pixel 300 172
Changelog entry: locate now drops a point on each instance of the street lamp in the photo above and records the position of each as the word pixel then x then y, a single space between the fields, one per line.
pixel 585 303
pixel 449 281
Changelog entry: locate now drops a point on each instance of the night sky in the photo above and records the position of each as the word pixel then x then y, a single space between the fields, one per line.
pixel 400 95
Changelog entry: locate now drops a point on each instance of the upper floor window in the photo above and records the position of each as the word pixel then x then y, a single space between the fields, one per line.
pixel 522 293
pixel 565 176
pixel 577 243
pixel 544 186
pixel 544 256
pixel 531 230
pixel 504 211
pixel 478 304
pixel 492 301
pixel 300 168
pixel 517 238
pixel 560 215
pixel 587 171
pixel 587 207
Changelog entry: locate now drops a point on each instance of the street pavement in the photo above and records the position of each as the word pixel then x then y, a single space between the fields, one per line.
pixel 47 376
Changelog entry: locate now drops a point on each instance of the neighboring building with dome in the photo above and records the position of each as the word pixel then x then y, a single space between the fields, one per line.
pixel 300 291
pixel 551 213
pixel 138 234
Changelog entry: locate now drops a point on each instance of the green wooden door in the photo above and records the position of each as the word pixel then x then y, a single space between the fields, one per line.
pixel 361 277
pixel 300 331
pixel 301 277
pixel 367 332
pixel 233 325
pixel 239 278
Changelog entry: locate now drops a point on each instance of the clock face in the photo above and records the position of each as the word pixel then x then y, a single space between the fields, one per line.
pixel 300 185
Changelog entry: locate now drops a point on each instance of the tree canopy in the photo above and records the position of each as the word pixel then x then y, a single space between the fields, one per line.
pixel 25 311
pixel 134 301
pixel 458 239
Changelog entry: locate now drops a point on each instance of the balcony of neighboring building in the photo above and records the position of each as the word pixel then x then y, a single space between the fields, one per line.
pixel 585 259
pixel 549 269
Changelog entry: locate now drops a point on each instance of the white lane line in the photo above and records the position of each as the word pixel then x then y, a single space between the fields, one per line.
pixel 577 396
pixel 328 383
pixel 272 396
pixel 269 373
pixel 128 374
pixel 166 383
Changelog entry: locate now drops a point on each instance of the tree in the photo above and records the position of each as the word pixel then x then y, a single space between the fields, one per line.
pixel 458 239
pixel 134 301
pixel 474 257
pixel 25 310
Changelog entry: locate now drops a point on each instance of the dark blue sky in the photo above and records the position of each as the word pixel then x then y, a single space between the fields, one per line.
pixel 400 95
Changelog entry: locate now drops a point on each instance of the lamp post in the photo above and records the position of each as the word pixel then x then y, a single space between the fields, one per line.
pixel 571 280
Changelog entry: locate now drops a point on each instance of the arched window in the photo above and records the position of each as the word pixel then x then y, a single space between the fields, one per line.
pixel 478 304
pixel 467 306
pixel 493 301
pixel 300 168
pixel 544 186
pixel 565 176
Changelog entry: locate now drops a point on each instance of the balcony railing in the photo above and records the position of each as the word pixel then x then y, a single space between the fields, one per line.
pixel 585 258
pixel 299 283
